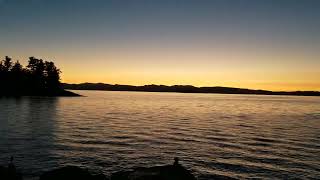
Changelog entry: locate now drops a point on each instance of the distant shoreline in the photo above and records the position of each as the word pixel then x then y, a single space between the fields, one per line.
pixel 183 89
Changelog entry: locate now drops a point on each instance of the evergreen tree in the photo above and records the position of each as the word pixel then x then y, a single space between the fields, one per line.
pixel 39 77
pixel 7 64
pixel 52 75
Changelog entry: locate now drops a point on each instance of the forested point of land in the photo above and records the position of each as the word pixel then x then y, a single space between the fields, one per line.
pixel 38 78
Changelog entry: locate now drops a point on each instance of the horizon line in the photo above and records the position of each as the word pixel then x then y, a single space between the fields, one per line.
pixel 195 86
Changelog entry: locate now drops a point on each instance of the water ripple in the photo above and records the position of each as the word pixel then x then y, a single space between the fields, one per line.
pixel 215 136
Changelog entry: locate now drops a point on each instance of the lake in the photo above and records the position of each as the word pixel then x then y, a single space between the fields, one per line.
pixel 238 136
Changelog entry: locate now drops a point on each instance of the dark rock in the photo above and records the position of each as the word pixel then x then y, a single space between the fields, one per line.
pixel 168 172
pixel 9 173
pixel 71 173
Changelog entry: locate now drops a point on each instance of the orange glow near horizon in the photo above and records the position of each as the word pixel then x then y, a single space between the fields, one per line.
pixel 274 86
pixel 242 67
pixel 218 66
pixel 252 44
pixel 198 68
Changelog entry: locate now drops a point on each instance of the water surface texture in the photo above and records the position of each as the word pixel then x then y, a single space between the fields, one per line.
pixel 239 136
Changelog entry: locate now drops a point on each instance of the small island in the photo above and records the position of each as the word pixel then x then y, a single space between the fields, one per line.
pixel 38 78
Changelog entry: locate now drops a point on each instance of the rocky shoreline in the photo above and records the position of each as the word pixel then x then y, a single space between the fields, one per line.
pixel 166 172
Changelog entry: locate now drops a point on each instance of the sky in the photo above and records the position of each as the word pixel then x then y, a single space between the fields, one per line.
pixel 261 44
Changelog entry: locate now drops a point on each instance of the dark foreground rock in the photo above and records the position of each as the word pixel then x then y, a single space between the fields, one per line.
pixel 70 173
pixel 168 172
pixel 9 173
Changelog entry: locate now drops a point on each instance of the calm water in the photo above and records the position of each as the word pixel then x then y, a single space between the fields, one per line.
pixel 239 136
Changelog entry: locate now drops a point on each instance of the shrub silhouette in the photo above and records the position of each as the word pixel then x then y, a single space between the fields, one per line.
pixel 39 77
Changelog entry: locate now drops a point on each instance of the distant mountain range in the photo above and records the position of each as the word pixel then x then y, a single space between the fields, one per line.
pixel 183 89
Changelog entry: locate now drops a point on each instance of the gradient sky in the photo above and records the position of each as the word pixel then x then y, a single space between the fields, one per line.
pixel 260 44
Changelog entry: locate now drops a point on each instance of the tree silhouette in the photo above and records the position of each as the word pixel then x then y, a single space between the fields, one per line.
pixel 36 70
pixel 7 64
pixel 52 74
pixel 17 67
pixel 39 77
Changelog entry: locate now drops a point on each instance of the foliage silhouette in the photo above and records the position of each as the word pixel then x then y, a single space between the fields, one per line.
pixel 38 78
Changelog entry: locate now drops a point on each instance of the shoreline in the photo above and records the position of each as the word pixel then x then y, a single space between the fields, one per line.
pixel 183 89
pixel 193 93
pixel 60 93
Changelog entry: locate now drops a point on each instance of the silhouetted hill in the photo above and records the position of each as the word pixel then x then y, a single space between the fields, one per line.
pixel 182 89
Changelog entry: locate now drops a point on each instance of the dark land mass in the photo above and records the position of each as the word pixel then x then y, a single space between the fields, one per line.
pixel 183 89
pixel 38 78
pixel 167 172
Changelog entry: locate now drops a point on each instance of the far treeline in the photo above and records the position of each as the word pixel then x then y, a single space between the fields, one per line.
pixel 183 89
pixel 38 78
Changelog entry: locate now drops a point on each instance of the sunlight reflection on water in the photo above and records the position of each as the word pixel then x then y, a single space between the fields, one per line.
pixel 239 136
